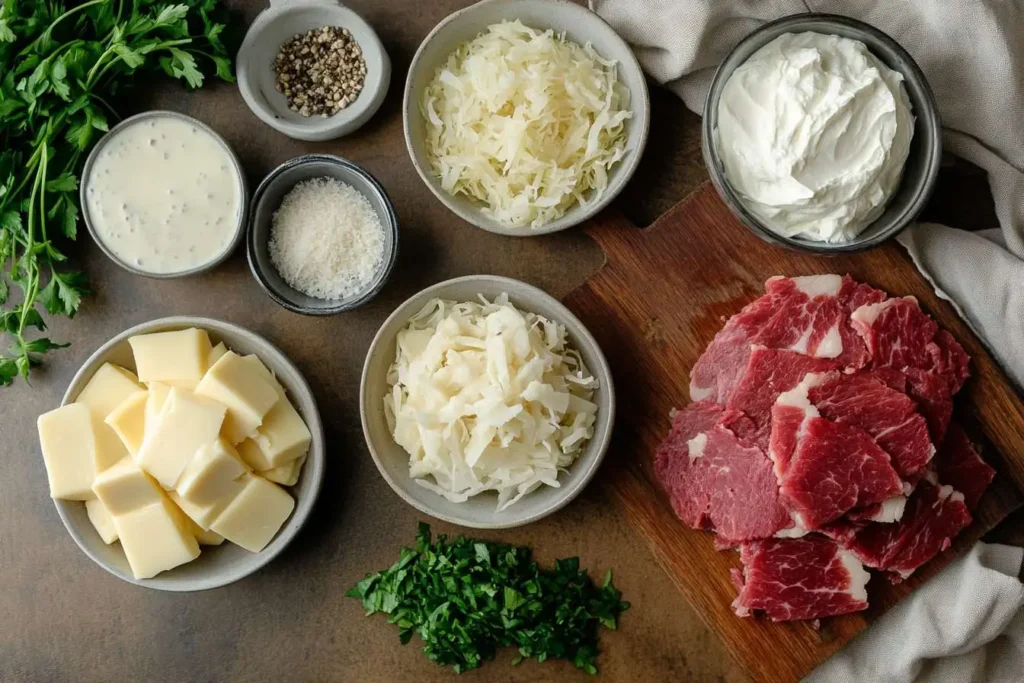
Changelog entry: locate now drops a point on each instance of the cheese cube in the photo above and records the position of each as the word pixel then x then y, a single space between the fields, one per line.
pixel 205 516
pixel 128 421
pixel 101 520
pixel 108 389
pixel 176 358
pixel 256 514
pixel 186 423
pixel 215 354
pixel 155 400
pixel 124 488
pixel 283 436
pixel 287 474
pixel 203 536
pixel 68 442
pixel 155 538
pixel 246 393
pixel 210 475
pixel 109 448
pixel 253 456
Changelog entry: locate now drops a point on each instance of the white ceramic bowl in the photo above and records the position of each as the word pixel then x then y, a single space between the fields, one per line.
pixel 481 511
pixel 226 563
pixel 271 29
pixel 579 25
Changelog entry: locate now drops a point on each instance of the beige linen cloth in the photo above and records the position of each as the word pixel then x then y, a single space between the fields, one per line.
pixel 965 625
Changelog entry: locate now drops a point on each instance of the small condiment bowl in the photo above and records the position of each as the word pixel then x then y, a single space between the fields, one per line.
pixel 243 195
pixel 284 19
pixel 267 199
pixel 227 563
pixel 481 511
pixel 579 25
pixel 919 172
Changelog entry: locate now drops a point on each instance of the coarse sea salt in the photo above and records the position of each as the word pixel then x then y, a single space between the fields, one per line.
pixel 326 240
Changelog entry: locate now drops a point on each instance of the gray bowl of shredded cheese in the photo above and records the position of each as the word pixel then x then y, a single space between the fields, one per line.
pixel 323 236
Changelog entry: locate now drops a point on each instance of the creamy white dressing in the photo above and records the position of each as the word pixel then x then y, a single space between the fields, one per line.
pixel 163 195
pixel 813 132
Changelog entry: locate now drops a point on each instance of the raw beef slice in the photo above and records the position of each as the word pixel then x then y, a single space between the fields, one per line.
pixel 799 578
pixel 770 372
pixel 958 464
pixel 933 517
pixel 825 468
pixel 808 315
pixel 717 482
pixel 888 416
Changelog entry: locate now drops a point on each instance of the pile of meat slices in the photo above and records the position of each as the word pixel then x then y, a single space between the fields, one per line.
pixel 819 442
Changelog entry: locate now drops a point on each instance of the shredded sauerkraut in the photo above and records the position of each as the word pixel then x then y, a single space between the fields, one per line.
pixel 526 122
pixel 485 397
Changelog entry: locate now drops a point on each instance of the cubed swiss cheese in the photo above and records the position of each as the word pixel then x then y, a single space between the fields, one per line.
pixel 211 474
pixel 246 393
pixel 155 400
pixel 128 420
pixel 287 474
pixel 108 388
pixel 185 423
pixel 215 353
pixel 256 514
pixel 178 358
pixel 203 536
pixel 205 516
pixel 283 436
pixel 156 538
pixel 124 488
pixel 101 520
pixel 68 442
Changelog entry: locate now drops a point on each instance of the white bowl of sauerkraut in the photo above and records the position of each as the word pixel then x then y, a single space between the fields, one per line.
pixel 525 117
pixel 486 403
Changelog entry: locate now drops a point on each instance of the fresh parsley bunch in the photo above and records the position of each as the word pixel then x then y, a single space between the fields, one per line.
pixel 468 598
pixel 61 63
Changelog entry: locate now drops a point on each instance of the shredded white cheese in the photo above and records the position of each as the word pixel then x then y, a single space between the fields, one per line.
pixel 525 122
pixel 485 397
pixel 326 240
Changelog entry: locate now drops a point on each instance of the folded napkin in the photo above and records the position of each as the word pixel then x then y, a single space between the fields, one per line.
pixel 972 52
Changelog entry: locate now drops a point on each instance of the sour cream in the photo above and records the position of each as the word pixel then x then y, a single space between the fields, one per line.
pixel 813 132
pixel 163 195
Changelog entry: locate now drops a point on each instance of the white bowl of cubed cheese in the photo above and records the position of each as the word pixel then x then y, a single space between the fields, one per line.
pixel 199 481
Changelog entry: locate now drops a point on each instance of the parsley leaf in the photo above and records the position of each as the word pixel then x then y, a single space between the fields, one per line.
pixel 466 599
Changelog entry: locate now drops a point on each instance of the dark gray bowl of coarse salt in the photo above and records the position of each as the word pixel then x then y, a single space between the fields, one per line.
pixel 267 201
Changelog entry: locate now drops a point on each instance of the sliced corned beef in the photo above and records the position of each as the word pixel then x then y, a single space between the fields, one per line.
pixel 825 468
pixel 949 360
pixel 716 481
pixel 719 367
pixel 889 416
pixel 768 373
pixel 808 315
pixel 799 578
pixel 958 464
pixel 935 402
pixel 934 515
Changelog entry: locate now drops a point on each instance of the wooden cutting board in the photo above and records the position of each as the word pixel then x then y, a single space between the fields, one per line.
pixel 655 305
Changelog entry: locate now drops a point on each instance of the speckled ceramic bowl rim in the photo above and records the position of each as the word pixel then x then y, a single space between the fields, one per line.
pixel 390 218
pixel 619 176
pixel 929 118
pixel 243 195
pixel 599 367
pixel 314 467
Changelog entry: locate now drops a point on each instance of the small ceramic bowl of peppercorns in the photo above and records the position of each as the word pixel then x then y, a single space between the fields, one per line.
pixel 312 69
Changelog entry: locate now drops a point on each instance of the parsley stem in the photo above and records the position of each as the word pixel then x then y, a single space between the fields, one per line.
pixel 49 29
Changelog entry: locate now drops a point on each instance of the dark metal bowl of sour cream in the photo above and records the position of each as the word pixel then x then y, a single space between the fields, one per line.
pixel 919 171
pixel 267 199
pixel 211 172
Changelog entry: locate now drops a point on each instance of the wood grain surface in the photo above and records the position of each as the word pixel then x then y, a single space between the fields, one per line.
pixel 655 305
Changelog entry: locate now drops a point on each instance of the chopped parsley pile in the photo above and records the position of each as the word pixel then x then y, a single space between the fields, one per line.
pixel 466 599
